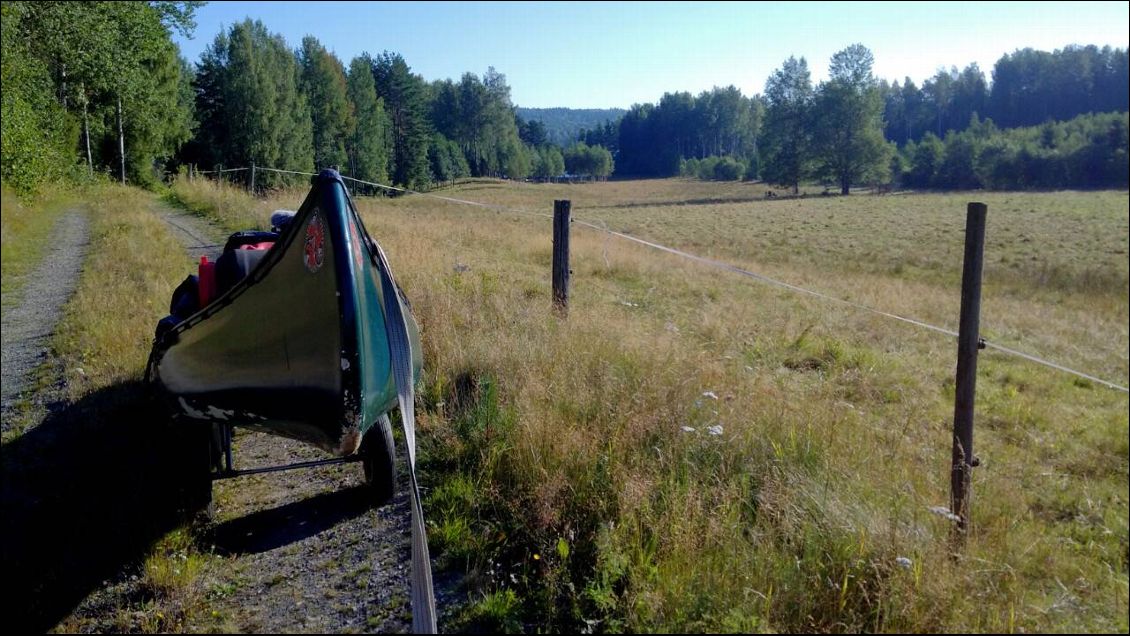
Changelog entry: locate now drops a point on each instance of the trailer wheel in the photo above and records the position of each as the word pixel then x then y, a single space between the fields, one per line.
pixel 378 458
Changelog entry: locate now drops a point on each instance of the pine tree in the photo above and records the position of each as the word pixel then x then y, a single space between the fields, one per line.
pixel 403 95
pixel 368 146
pixel 332 116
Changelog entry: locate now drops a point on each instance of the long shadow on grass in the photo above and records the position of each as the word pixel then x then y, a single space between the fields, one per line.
pixel 85 493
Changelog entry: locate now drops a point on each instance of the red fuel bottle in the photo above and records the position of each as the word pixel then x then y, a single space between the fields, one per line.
pixel 206 281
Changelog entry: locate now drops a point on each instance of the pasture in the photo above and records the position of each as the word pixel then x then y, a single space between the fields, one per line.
pixel 692 450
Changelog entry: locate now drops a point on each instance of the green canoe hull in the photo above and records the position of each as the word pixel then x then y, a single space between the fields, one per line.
pixel 298 348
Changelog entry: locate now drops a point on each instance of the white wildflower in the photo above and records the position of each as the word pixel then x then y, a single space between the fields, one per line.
pixel 942 511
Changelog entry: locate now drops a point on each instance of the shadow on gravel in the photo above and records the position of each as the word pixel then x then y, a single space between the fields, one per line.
pixel 84 494
pixel 274 528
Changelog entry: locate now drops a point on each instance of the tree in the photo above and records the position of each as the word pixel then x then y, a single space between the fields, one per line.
pixel 252 111
pixel 786 141
pixel 593 161
pixel 925 160
pixel 439 159
pixel 1030 87
pixel 35 135
pixel 958 169
pixel 544 164
pixel 478 115
pixel 114 63
pixel 332 117
pixel 368 147
pixel 532 132
pixel 849 127
pixel 404 98
pixel 938 91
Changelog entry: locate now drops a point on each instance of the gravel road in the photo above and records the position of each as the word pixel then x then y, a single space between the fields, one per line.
pixel 26 329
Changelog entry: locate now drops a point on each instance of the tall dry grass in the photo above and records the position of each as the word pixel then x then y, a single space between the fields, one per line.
pixel 132 267
pixel 691 451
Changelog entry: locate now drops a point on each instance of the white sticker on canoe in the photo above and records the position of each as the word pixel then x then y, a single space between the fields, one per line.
pixel 314 249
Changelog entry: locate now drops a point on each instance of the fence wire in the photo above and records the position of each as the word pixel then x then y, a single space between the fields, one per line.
pixel 722 265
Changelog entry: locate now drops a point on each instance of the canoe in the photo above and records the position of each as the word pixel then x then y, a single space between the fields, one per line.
pixel 294 343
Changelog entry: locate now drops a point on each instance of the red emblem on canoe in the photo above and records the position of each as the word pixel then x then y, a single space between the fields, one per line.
pixel 314 250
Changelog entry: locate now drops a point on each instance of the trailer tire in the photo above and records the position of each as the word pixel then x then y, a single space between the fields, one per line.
pixel 378 458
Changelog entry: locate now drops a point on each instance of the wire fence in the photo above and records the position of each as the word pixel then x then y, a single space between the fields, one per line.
pixel 721 265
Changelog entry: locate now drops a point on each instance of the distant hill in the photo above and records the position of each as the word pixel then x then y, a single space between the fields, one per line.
pixel 563 124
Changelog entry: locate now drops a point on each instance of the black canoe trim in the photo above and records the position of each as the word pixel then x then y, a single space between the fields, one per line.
pixel 352 402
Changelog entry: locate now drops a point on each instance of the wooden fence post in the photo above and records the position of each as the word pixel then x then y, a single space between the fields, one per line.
pixel 968 342
pixel 561 255
pixel 252 178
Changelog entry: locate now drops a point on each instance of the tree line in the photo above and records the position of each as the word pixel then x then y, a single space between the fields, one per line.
pixel 99 87
pixel 856 129
pixel 103 81
pixel 93 86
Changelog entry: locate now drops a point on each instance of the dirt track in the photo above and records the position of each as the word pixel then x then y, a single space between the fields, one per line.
pixel 27 328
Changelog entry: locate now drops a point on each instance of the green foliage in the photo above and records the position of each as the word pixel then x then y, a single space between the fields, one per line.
pixel 532 133
pixel 35 134
pixel 926 159
pixel 446 160
pixel 563 126
pixel 1086 152
pixel 405 101
pixel 549 163
pixel 654 138
pixel 786 142
pixel 714 169
pixel 370 145
pixel 332 114
pixel 849 129
pixel 99 67
pixel 158 120
pixel 607 135
pixel 592 161
pixel 477 114
pixel 1028 88
pixel 515 159
pixel 249 103
pixel 495 613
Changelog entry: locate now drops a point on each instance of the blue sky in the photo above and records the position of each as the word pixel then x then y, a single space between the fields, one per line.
pixel 605 54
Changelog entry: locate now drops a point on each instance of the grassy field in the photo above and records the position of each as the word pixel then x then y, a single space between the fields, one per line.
pixel 690 450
